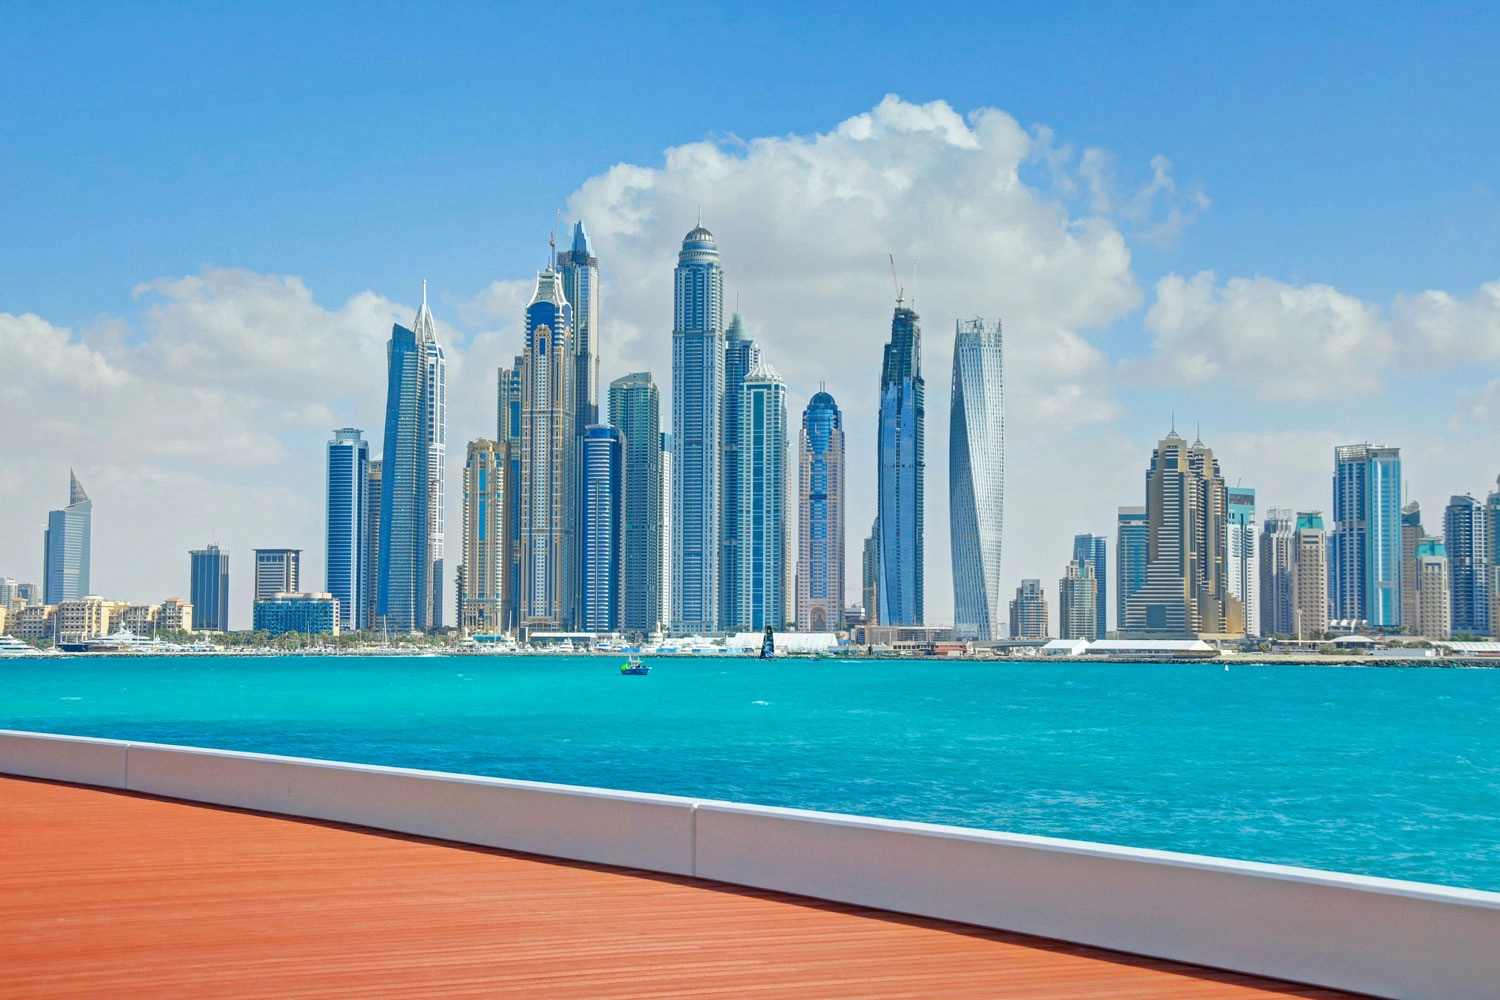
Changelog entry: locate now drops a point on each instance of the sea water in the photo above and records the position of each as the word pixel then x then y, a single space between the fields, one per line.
pixel 1379 771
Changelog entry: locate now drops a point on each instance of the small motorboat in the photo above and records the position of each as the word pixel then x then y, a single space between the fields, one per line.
pixel 633 667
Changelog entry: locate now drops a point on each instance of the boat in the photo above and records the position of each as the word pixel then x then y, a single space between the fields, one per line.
pixel 768 644
pixel 633 667
pixel 11 646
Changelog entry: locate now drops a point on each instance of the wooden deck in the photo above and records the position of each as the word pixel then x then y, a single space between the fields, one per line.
pixel 119 895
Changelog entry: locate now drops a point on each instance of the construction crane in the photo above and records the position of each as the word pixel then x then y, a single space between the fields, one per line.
pixel 896 281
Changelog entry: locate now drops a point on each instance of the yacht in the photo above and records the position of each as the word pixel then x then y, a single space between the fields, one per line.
pixel 11 646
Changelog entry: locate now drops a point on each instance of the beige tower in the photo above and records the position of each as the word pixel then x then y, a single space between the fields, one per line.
pixel 1309 576
pixel 482 604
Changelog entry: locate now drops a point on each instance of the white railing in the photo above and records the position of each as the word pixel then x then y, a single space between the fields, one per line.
pixel 1378 936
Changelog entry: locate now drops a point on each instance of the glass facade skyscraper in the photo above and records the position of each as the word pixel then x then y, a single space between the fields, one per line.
pixel 508 435
pixel 901 472
pixel 741 355
pixel 578 270
pixel 208 588
pixel 762 590
pixel 66 547
pixel 976 477
pixel 1242 563
pixel 697 402
pixel 1093 550
pixel 277 571
pixel 1364 578
pixel 1132 555
pixel 635 408
pixel 603 503
pixel 1278 567
pixel 348 501
pixel 1464 539
pixel 820 517
pixel 486 543
pixel 411 492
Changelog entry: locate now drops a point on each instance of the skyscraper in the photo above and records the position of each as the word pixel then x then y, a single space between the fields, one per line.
pixel 508 434
pixel 741 355
pixel 976 476
pixel 372 547
pixel 1464 538
pixel 578 270
pixel 66 547
pixel 1077 601
pixel 1243 567
pixel 762 501
pixel 1028 611
pixel 1411 536
pixel 1278 567
pixel 901 472
pixel 208 588
pixel 820 516
pixel 1364 576
pixel 1094 550
pixel 348 501
pixel 1187 589
pixel 486 543
pixel 635 408
pixel 410 556
pixel 1309 576
pixel 601 542
pixel 1492 546
pixel 548 558
pixel 667 561
pixel 277 571
pixel 1434 596
pixel 1132 556
pixel 697 401
pixel 869 585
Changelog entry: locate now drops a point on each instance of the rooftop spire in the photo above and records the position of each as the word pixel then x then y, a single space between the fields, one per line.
pixel 424 327
pixel 75 490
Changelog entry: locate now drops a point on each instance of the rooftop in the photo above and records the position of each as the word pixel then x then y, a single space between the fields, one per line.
pixel 126 895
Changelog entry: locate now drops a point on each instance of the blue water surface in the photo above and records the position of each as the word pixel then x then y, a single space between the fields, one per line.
pixel 1377 771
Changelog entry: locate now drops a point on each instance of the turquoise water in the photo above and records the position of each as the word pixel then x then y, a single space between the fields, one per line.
pixel 1391 772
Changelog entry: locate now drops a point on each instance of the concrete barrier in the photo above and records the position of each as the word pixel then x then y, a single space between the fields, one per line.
pixel 654 832
pixel 1377 936
pixel 63 758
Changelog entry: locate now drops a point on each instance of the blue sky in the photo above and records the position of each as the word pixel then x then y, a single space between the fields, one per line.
pixel 361 148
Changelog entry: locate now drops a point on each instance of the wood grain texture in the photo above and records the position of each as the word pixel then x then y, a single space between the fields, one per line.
pixel 120 895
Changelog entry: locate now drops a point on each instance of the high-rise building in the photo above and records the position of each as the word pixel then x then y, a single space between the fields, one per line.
pixel 578 270
pixel 1028 611
pixel 667 561
pixel 762 500
pixel 976 477
pixel 508 433
pixel 208 588
pixel 869 586
pixel 820 516
pixel 372 546
pixel 1243 567
pixel 409 557
pixel 1094 550
pixel 1132 556
pixel 1464 538
pixel 1492 546
pixel 277 571
pixel 1309 576
pixel 548 557
pixel 635 408
pixel 1077 602
pixel 741 356
pixel 602 539
pixel 901 472
pixel 348 503
pixel 66 547
pixel 1187 588
pixel 697 405
pixel 486 542
pixel 1278 567
pixel 1434 597
pixel 1411 536
pixel 1364 573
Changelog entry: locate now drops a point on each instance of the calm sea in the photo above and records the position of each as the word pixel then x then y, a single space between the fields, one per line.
pixel 1378 771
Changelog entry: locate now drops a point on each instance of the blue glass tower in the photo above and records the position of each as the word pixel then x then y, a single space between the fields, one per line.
pixel 1464 537
pixel 1132 556
pixel 348 502
pixel 1364 579
pixel 578 269
pixel 697 401
pixel 508 436
pixel 820 517
pixel 901 471
pixel 1093 550
pixel 66 546
pixel 208 589
pixel 741 355
pixel 976 477
pixel 635 408
pixel 762 591
pixel 603 502
pixel 404 601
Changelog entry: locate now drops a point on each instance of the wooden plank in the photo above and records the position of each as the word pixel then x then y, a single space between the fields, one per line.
pixel 112 894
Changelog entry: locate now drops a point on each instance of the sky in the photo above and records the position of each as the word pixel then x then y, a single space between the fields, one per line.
pixel 1277 226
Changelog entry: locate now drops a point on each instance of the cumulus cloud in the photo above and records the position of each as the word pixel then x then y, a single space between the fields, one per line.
pixel 1441 329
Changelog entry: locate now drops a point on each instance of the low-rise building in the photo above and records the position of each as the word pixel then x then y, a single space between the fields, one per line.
pixel 86 618
pixel 33 622
pixel 175 615
pixel 139 618
pixel 310 613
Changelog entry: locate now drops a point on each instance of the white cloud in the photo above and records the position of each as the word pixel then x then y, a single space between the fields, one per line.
pixel 1441 329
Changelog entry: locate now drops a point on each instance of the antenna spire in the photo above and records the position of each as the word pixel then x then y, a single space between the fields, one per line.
pixel 424 291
